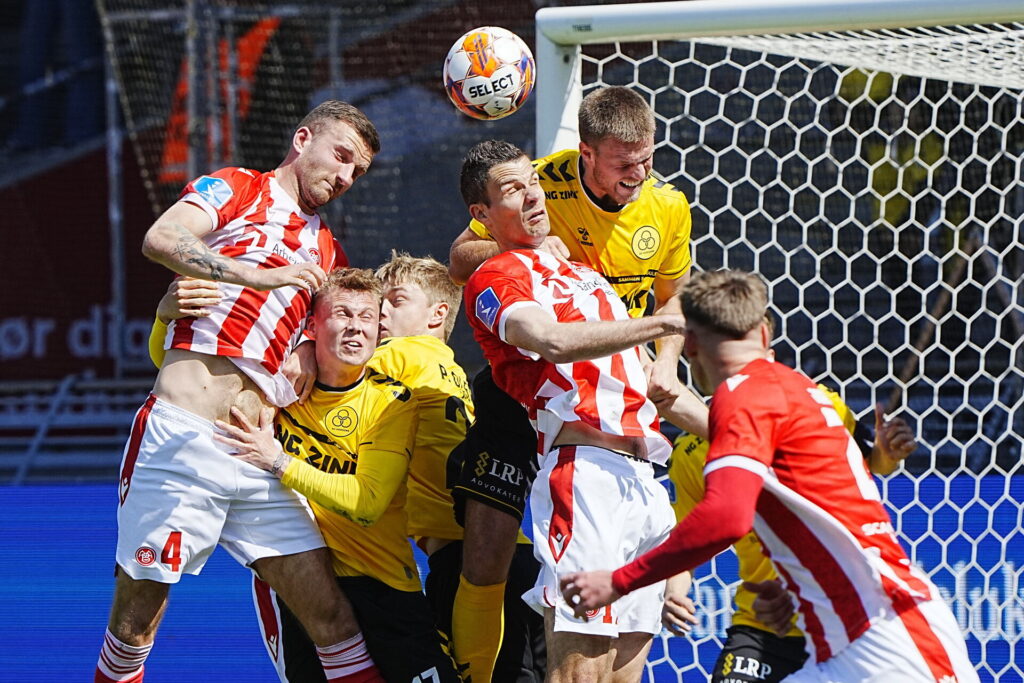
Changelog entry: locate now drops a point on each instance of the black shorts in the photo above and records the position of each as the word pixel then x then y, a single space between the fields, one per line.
pixel 751 655
pixel 399 629
pixel 522 657
pixel 497 462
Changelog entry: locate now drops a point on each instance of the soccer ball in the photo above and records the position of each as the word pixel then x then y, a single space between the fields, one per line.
pixel 489 73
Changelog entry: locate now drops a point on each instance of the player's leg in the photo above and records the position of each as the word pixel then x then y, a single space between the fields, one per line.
pixel 169 517
pixel 401 633
pixel 271 529
pixel 755 656
pixel 575 656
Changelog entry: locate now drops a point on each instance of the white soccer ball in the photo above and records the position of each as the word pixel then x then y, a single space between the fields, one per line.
pixel 489 73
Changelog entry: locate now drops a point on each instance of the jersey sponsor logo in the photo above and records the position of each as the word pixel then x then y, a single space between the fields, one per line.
pixel 746 666
pixel 341 421
pixel 560 194
pixel 645 242
pixel 875 528
pixel 214 190
pixel 487 305
pixel 145 556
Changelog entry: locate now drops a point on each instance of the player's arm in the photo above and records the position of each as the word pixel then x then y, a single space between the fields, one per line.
pixel 533 329
pixel 184 297
pixel 362 496
pixel 724 515
pixel 174 241
pixel 470 249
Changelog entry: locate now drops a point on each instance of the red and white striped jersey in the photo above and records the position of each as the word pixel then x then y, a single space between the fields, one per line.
pixel 608 393
pixel 819 515
pixel 257 223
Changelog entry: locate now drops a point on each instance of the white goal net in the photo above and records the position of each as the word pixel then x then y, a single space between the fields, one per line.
pixel 867 159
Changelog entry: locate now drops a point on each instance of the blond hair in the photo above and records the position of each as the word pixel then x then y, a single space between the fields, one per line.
pixel 618 113
pixel 428 274
pixel 351 280
pixel 729 302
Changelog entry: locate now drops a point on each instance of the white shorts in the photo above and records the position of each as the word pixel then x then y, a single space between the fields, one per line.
pixel 923 645
pixel 180 494
pixel 596 509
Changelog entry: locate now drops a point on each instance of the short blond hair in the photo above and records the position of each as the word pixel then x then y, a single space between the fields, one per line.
pixel 729 302
pixel 428 274
pixel 618 113
pixel 351 280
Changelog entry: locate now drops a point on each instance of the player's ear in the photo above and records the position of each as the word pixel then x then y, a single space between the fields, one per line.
pixel 586 151
pixel 440 314
pixel 301 138
pixel 478 211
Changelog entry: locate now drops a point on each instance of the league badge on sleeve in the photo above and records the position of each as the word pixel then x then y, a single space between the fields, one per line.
pixel 487 306
pixel 214 190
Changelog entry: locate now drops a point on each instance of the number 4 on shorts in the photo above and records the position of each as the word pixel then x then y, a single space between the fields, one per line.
pixel 171 555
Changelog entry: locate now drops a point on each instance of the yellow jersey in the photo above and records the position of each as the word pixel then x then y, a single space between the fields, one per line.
pixel 426 365
pixel 351 448
pixel 646 239
pixel 686 470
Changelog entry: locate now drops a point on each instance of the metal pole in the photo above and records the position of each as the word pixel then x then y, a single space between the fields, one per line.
pixel 115 217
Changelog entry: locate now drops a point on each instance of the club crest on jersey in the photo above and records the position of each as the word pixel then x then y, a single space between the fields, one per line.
pixel 645 242
pixel 314 254
pixel 341 421
pixel 487 305
pixel 214 190
pixel 145 556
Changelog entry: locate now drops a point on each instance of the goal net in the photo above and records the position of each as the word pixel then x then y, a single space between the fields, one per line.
pixel 867 160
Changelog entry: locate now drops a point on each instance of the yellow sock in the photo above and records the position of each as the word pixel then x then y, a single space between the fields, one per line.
pixel 477 628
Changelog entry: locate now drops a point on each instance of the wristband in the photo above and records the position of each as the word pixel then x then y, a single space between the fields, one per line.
pixel 280 464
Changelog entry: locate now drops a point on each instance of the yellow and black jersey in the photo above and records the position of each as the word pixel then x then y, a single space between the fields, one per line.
pixel 426 365
pixel 352 447
pixel 645 239
pixel 686 470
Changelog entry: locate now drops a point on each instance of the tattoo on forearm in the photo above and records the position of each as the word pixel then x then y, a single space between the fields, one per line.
pixel 191 250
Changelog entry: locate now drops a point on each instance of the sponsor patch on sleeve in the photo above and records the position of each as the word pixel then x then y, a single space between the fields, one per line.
pixel 487 305
pixel 214 190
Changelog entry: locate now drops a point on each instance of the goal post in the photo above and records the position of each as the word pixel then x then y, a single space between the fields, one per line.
pixel 866 158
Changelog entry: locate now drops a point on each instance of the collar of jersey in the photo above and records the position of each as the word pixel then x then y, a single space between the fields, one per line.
pixel 327 387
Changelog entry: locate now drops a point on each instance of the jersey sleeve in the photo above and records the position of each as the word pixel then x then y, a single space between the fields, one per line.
pixel 494 291
pixel 383 462
pixel 222 194
pixel 743 422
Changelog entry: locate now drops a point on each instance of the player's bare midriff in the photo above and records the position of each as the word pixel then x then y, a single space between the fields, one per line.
pixel 207 386
pixel 582 434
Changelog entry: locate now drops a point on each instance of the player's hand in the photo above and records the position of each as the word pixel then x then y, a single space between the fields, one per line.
pixel 309 276
pixel 556 247
pixel 255 444
pixel 773 605
pixel 893 438
pixel 678 614
pixel 299 368
pixel 587 591
pixel 188 297
pixel 663 385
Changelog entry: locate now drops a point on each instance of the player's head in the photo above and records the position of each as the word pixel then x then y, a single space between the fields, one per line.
pixel 502 191
pixel 331 147
pixel 725 321
pixel 419 297
pixel 616 142
pixel 346 318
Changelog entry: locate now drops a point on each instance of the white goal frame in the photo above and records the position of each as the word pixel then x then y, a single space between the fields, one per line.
pixel 562 30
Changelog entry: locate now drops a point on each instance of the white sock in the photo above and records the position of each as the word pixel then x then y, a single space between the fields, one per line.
pixel 120 661
pixel 345 658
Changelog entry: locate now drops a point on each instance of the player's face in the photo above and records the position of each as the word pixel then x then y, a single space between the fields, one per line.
pixel 405 311
pixel 515 213
pixel 692 353
pixel 329 162
pixel 615 170
pixel 346 327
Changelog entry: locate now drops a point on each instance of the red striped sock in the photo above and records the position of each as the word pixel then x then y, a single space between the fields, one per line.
pixel 120 662
pixel 349 661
